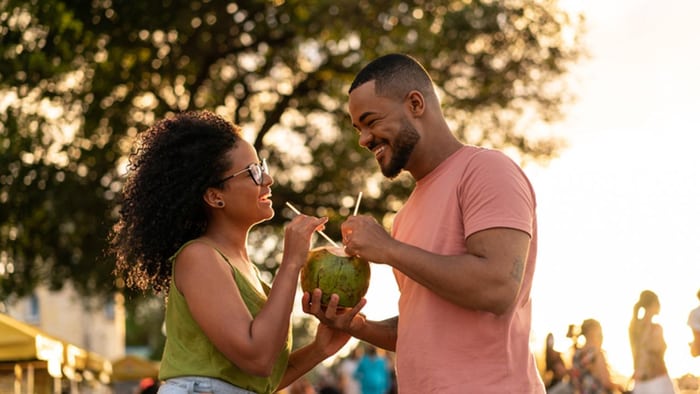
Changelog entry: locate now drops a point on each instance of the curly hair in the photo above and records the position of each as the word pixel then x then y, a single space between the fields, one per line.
pixel 162 207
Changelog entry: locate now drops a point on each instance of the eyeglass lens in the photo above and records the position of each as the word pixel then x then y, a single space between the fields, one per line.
pixel 257 170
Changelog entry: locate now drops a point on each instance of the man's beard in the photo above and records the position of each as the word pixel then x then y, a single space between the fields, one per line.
pixel 401 150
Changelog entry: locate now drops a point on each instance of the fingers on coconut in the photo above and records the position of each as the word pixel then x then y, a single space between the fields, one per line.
pixel 315 302
pixel 357 308
pixel 306 302
pixel 332 306
pixel 348 313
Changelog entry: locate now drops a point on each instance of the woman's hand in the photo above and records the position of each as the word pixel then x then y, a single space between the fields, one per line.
pixel 332 315
pixel 297 238
pixel 329 340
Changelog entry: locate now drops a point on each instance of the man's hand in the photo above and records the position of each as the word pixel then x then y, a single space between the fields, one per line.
pixel 363 236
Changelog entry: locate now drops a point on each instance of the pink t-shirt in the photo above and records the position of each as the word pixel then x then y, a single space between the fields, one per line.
pixel 443 348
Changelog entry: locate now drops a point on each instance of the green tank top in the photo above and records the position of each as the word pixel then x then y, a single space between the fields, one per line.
pixel 188 351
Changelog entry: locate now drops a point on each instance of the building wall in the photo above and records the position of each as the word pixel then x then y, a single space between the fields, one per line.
pixel 86 323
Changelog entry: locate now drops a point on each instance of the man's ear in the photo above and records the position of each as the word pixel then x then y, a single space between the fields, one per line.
pixel 415 102
pixel 213 198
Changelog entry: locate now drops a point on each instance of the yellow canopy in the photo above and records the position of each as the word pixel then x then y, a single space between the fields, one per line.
pixel 131 367
pixel 23 342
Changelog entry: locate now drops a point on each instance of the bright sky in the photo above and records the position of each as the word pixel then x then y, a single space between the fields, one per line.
pixel 618 210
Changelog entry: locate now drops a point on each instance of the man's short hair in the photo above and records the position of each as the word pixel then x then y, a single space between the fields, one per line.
pixel 394 76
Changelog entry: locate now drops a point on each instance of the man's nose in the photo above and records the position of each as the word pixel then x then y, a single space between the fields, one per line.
pixel 365 139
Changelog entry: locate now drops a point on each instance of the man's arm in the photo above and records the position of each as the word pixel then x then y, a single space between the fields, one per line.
pixel 486 278
pixel 381 334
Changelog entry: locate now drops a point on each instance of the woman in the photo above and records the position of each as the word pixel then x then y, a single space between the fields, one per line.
pixel 648 347
pixel 589 371
pixel 556 373
pixel 194 190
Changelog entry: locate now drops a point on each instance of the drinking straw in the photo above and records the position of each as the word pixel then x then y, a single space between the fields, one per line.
pixel 319 231
pixel 357 204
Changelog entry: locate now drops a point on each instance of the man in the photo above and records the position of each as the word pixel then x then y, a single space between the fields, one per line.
pixel 694 323
pixel 463 246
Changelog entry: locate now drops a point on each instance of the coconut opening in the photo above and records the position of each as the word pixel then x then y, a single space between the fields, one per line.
pixel 336 250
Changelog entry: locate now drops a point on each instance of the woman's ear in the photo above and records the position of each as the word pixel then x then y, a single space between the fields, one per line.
pixel 213 198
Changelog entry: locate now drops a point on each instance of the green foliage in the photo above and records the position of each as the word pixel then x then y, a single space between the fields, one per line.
pixel 144 324
pixel 79 79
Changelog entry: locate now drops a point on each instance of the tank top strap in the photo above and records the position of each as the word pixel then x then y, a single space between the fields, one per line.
pixel 237 275
pixel 211 246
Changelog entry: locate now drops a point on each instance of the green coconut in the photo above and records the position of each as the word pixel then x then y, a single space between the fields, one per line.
pixel 334 272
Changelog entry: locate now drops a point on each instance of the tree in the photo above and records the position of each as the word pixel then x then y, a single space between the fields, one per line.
pixel 79 80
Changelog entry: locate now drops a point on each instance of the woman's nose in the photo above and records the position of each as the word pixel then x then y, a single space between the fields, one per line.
pixel 267 179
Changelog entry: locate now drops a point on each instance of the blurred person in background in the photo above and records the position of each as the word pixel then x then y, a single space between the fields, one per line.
pixel 346 372
pixel 648 347
pixel 556 374
pixel 373 372
pixel 590 372
pixel 694 324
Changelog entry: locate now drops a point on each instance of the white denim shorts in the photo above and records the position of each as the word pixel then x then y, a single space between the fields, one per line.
pixel 659 385
pixel 199 385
